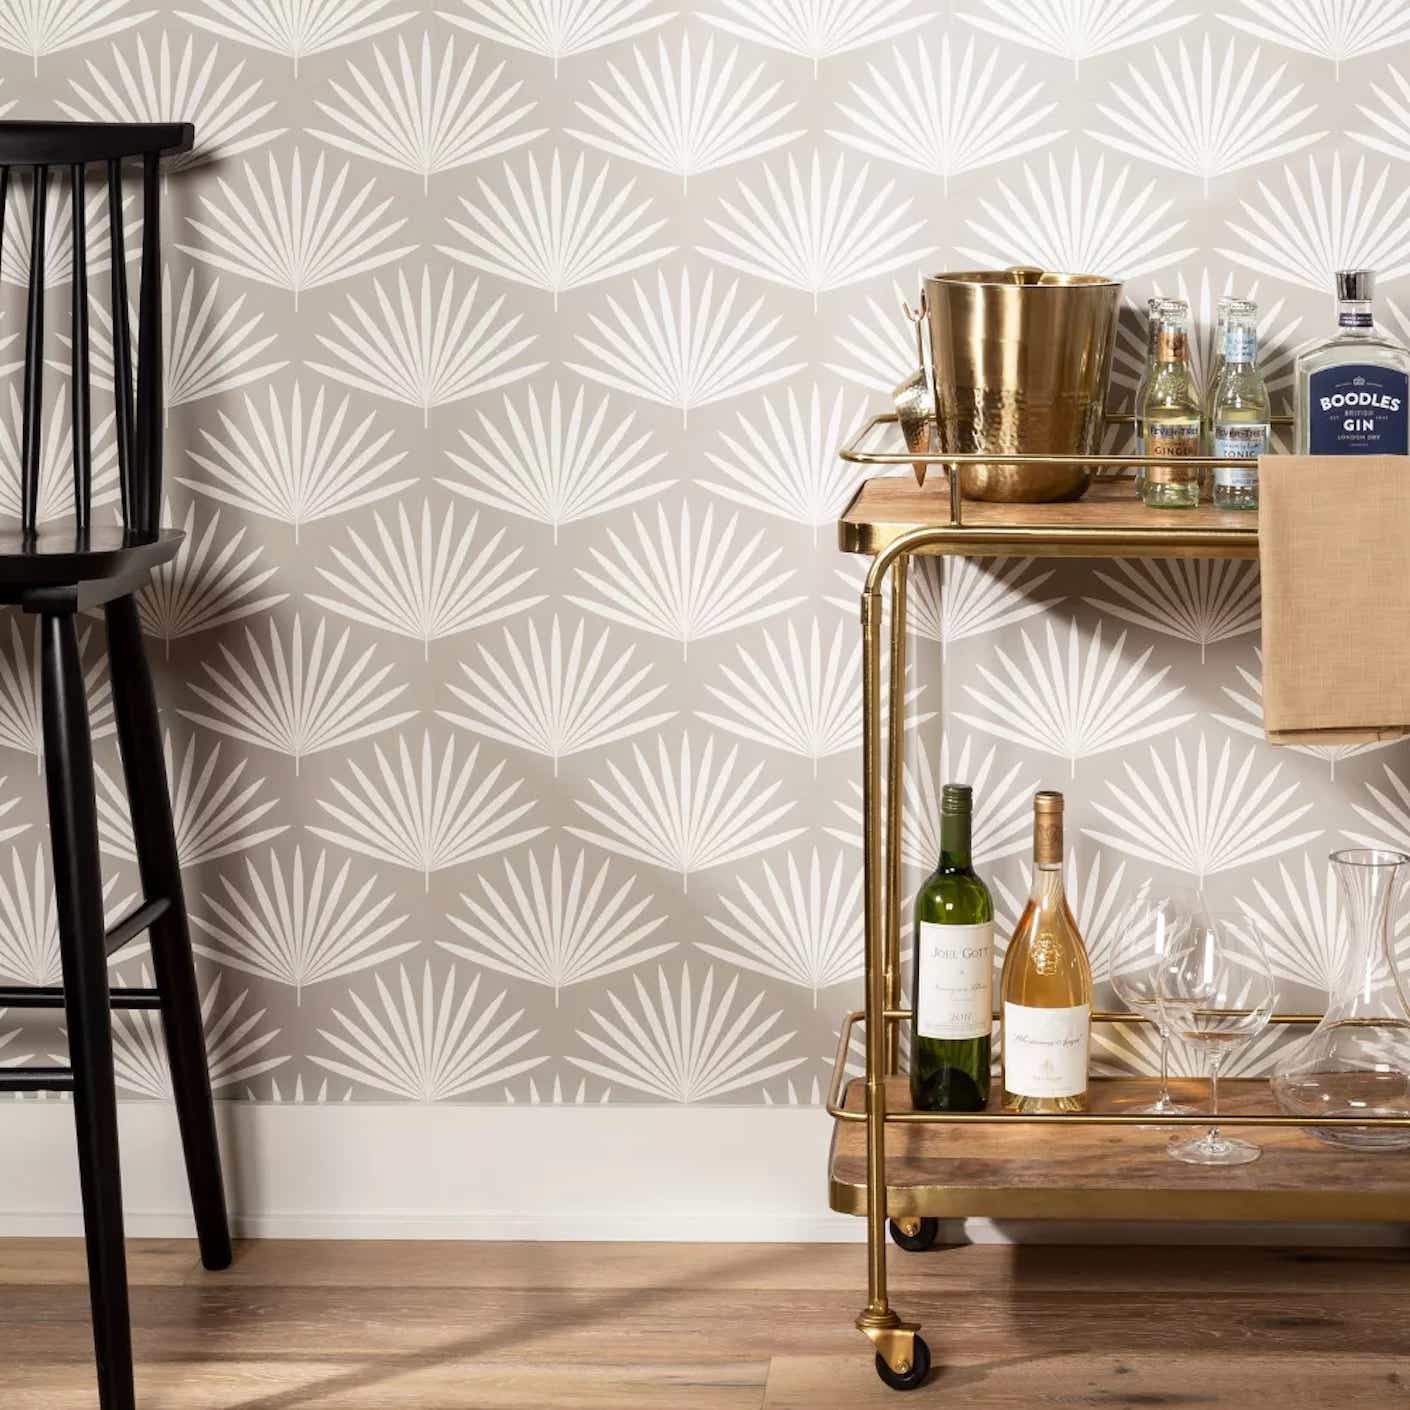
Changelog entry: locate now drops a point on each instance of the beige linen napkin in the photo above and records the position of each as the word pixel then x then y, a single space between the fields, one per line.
pixel 1334 544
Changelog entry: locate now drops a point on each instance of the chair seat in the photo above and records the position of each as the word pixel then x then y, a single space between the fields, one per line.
pixel 58 555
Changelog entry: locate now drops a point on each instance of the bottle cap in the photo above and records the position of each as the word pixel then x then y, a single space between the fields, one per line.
pixel 1047 829
pixel 956 798
pixel 1356 286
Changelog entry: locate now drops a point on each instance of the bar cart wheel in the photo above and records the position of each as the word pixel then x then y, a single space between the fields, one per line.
pixel 915 1235
pixel 912 1377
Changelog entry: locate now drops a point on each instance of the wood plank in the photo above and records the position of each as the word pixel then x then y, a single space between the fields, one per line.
pixel 998 1169
pixel 1108 521
pixel 462 1327
pixel 1194 1380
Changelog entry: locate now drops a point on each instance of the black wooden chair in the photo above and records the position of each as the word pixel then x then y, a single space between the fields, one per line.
pixel 57 570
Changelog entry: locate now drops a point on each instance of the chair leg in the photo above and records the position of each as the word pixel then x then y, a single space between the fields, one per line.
pixel 140 741
pixel 78 884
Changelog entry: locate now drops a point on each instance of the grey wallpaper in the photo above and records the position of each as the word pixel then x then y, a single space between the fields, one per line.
pixel 510 670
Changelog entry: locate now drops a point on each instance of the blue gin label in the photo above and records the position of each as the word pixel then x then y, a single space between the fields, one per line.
pixel 1359 410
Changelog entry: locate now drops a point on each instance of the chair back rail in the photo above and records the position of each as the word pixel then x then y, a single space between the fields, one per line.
pixel 32 149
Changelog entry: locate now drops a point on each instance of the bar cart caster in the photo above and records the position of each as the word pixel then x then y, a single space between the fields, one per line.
pixel 915 1235
pixel 902 1356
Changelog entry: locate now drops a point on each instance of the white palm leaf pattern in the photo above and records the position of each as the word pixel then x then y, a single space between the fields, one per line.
pixel 426 585
pixel 55 459
pixel 424 116
pixel 296 28
pixel 682 586
pixel 237 1046
pixel 946 116
pixel 426 813
pixel 1392 122
pixel 553 702
pixel 1095 895
pixel 683 817
pixel 1077 29
pixel 293 233
pixel 216 812
pixel 1078 221
pixel 787 464
pixel 40 27
pixel 556 236
pixel 29 921
pixel 878 348
pixel 683 117
pixel 299 928
pixel 815 29
pixel 803 929
pixel 556 29
pixel 1202 600
pixel 426 349
pixel 559 1095
pixel 564 929
pixel 1075 702
pixel 428 1046
pixel 21 711
pixel 14 1057
pixel 803 699
pixel 176 88
pixel 542 465
pixel 1204 819
pixel 206 349
pixel 1302 929
pixel 954 598
pixel 209 350
pixel 816 233
pixel 1389 820
pixel 1330 29
pixel 208 584
pixel 1250 722
pixel 1330 224
pixel 1190 118
pixel 1003 803
pixel 296 700
pixel 58 232
pixel 293 465
pixel 1135 1047
pixel 684 352
pixel 683 1049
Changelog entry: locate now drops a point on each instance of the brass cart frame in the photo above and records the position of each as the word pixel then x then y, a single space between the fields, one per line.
pixel 892 520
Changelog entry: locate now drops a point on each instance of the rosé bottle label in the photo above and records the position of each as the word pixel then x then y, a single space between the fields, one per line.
pixel 1045 1050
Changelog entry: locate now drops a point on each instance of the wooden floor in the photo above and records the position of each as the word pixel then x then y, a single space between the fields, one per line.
pixel 379 1326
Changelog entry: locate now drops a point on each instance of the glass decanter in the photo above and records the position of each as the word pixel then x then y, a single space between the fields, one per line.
pixel 1356 1062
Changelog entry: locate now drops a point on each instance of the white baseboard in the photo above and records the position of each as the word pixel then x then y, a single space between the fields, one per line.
pixel 365 1171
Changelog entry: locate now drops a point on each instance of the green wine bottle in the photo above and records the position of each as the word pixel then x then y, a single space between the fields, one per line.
pixel 952 996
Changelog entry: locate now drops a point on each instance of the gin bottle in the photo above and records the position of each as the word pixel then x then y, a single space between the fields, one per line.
pixel 1353 389
pixel 1172 417
pixel 1239 410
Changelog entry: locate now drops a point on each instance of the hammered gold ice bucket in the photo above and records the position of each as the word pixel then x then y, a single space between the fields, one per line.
pixel 1021 359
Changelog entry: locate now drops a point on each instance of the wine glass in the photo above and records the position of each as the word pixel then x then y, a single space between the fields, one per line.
pixel 1154 928
pixel 1217 993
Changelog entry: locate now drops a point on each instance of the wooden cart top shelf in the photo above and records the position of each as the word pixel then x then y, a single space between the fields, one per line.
pixel 1107 522
pixel 1001 1170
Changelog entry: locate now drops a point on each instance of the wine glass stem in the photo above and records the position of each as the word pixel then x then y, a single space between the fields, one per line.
pixel 1215 1061
pixel 1164 1064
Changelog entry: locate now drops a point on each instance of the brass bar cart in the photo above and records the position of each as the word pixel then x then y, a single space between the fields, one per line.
pixel 913 1168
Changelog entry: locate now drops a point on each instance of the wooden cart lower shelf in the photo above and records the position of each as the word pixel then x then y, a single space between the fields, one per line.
pixel 1001 1170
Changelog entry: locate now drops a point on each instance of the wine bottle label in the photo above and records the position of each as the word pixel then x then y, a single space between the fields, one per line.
pixel 1239 440
pixel 954 980
pixel 1358 409
pixel 1045 1050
